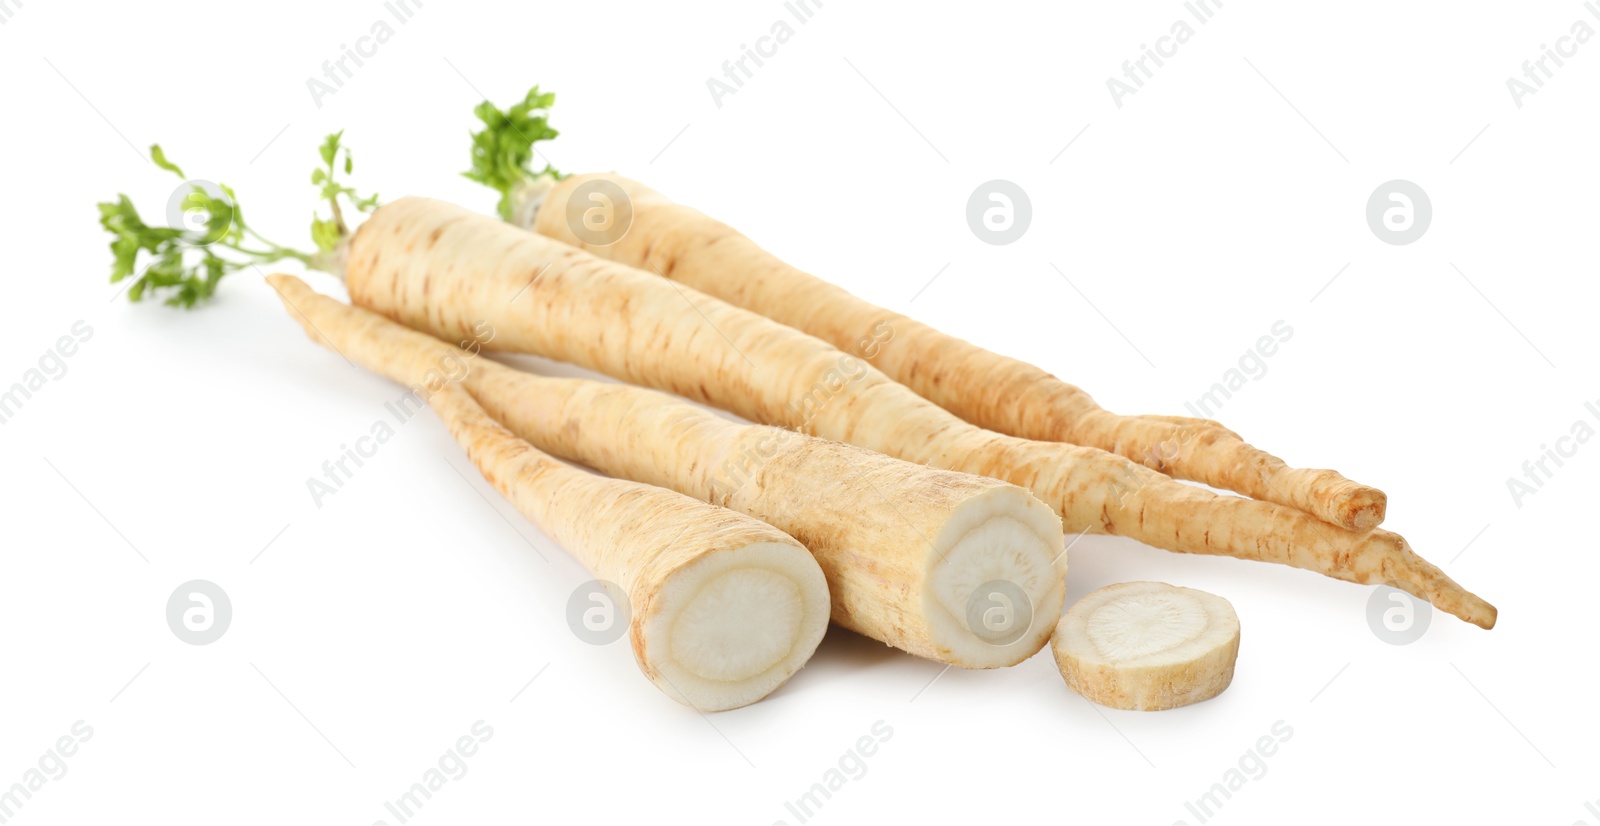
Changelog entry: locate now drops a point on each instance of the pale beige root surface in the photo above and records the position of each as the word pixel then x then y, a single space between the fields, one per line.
pixel 1147 646
pixel 447 270
pixel 904 547
pixel 725 608
pixel 987 389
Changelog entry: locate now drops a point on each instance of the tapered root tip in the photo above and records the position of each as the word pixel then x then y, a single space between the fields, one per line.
pixel 1468 606
pixel 1422 579
pixel 1328 496
pixel 1487 615
pixel 1456 601
pixel 729 628
pixel 293 293
pixel 1339 501
pixel 1365 509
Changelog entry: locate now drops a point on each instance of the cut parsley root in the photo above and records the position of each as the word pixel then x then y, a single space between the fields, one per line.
pixel 905 548
pixel 987 389
pixel 1147 646
pixel 725 607
pixel 443 269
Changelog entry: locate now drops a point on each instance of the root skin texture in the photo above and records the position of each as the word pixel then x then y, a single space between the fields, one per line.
pixel 987 389
pixel 446 270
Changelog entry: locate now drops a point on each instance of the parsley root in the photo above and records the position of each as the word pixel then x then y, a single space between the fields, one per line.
pixel 443 269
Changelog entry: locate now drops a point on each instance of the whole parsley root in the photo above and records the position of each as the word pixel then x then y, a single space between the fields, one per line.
pixel 987 389
pixel 725 608
pixel 906 549
pixel 444 269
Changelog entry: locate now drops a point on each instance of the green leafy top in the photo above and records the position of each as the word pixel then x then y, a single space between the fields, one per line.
pixel 213 239
pixel 502 154
pixel 329 232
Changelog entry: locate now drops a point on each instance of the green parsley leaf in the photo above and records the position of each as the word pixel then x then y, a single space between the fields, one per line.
pixel 503 151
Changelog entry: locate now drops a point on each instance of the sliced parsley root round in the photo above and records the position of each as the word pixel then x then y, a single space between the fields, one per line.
pixel 444 270
pixel 1147 646
pixel 905 548
pixel 725 607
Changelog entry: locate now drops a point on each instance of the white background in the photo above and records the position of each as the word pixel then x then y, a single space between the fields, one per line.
pixel 1220 198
